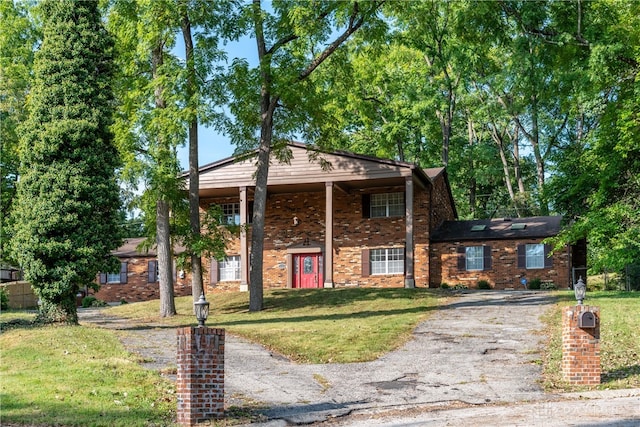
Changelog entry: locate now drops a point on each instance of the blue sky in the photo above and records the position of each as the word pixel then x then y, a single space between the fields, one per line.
pixel 214 146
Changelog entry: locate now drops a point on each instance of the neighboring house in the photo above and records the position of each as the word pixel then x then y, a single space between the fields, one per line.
pixel 137 278
pixel 503 252
pixel 362 221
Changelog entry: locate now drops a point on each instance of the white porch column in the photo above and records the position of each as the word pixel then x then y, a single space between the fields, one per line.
pixel 244 247
pixel 409 281
pixel 328 236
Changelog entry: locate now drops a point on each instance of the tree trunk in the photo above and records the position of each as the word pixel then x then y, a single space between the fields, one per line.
pixel 165 262
pixel 163 233
pixel 197 287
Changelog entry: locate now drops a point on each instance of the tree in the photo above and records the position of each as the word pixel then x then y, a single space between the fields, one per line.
pixel 18 37
pixel 148 133
pixel 66 211
pixel 292 42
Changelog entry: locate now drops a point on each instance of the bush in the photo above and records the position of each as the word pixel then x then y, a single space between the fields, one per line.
pixel 548 286
pixel 460 287
pixel 444 286
pixel 4 299
pixel 483 284
pixel 91 301
pixel 535 283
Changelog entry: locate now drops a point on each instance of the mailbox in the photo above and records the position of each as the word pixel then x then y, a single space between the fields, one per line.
pixel 586 320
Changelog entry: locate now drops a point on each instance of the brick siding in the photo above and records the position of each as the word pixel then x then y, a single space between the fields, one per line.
pixel 138 287
pixel 504 272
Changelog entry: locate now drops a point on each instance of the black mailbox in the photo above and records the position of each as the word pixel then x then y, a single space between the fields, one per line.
pixel 586 320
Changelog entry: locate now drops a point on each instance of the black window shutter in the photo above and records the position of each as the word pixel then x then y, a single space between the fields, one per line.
pixel 123 272
pixel 103 278
pixel 487 258
pixel 548 261
pixel 462 258
pixel 152 268
pixel 213 271
pixel 366 205
pixel 366 270
pixel 522 256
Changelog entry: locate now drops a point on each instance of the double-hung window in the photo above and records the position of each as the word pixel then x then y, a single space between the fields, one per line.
pixel 535 256
pixel 229 268
pixel 474 256
pixel 230 213
pixel 387 261
pixel 386 205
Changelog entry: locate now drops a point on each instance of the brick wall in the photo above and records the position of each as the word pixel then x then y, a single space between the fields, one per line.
pixel 352 233
pixel 200 376
pixel 580 347
pixel 504 271
pixel 138 287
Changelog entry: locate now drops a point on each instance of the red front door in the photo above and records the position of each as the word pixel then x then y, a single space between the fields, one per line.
pixel 307 271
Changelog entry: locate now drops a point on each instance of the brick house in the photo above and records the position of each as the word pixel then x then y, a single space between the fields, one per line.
pixel 503 252
pixel 361 221
pixel 137 279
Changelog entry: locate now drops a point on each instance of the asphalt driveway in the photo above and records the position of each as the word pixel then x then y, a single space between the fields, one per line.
pixel 480 350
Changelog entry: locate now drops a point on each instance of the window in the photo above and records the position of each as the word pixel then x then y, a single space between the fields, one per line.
pixel 229 268
pixel 119 277
pixel 535 256
pixel 474 258
pixel 230 213
pixel 387 261
pixel 386 205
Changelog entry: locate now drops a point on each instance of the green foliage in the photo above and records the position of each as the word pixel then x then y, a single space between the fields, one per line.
pixel 483 284
pixel 4 298
pixel 535 284
pixel 91 301
pixel 66 211
pixel 460 287
pixel 444 286
pixel 548 286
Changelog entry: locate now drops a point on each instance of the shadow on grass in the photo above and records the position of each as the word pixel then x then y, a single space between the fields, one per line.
pixel 620 374
pixel 51 412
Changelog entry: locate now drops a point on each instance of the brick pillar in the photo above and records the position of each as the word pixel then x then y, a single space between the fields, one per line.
pixel 580 347
pixel 200 382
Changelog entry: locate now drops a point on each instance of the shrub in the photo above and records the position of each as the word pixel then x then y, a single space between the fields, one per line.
pixel 548 286
pixel 4 299
pixel 91 301
pixel 483 284
pixel 535 283
pixel 460 287
pixel 444 286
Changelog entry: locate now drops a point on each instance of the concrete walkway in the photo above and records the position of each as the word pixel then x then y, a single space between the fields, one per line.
pixel 476 361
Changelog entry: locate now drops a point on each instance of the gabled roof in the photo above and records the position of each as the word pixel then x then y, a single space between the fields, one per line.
pixel 498 229
pixel 129 249
pixel 350 170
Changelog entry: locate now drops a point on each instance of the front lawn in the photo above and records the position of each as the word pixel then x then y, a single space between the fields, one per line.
pixel 619 343
pixel 310 326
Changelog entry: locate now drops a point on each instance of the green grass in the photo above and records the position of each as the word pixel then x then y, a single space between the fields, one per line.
pixel 77 376
pixel 310 326
pixel 619 343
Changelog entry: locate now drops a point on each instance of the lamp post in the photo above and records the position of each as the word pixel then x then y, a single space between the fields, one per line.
pixel 201 308
pixel 580 289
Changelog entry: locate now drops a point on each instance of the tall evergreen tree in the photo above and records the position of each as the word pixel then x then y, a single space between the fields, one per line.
pixel 66 210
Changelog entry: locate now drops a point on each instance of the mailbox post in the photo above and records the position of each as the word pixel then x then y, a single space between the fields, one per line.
pixel 581 341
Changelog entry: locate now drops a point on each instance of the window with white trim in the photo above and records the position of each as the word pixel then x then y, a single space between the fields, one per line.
pixel 113 277
pixel 229 268
pixel 387 261
pixel 474 256
pixel 535 256
pixel 230 213
pixel 386 205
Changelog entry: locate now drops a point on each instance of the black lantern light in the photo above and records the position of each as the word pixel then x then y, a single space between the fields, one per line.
pixel 201 308
pixel 580 289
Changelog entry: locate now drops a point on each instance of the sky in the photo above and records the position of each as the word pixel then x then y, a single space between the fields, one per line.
pixel 214 146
